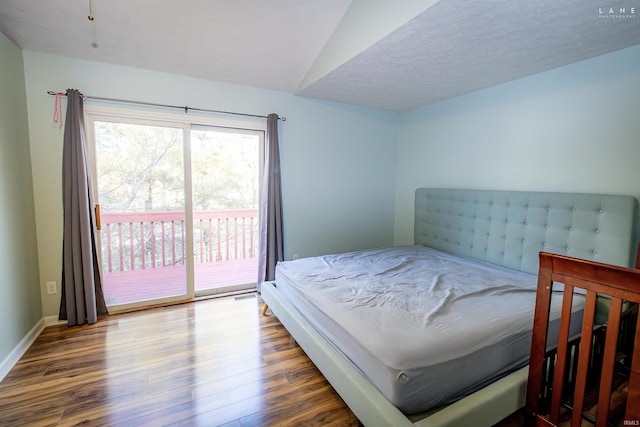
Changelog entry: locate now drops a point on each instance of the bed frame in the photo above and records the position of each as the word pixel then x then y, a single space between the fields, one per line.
pixel 592 359
pixel 502 227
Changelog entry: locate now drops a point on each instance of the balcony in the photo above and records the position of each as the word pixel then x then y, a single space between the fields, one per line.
pixel 144 253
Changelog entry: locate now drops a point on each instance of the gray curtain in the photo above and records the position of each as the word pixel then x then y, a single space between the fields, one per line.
pixel 271 237
pixel 82 297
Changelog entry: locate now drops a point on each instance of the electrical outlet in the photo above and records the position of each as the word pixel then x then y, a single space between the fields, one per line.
pixel 294 256
pixel 52 288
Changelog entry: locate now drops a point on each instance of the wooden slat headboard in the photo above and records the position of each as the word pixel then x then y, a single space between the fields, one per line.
pixel 510 228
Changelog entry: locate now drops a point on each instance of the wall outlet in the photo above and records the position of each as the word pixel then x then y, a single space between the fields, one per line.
pixel 294 256
pixel 52 288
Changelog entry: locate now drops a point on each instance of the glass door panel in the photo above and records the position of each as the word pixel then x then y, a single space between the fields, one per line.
pixel 225 171
pixel 140 182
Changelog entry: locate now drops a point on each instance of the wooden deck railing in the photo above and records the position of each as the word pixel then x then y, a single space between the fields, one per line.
pixel 133 241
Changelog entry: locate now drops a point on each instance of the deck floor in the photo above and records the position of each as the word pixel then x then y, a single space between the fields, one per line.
pixel 124 287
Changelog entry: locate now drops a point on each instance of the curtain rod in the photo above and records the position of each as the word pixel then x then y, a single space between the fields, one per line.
pixel 185 108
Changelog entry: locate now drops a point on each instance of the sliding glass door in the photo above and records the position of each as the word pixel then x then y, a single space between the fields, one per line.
pixel 178 208
pixel 225 172
pixel 140 170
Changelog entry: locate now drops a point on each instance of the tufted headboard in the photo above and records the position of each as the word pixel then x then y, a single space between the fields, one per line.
pixel 510 228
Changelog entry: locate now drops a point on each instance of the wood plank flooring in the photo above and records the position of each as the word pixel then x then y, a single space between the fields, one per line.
pixel 214 362
pixel 209 363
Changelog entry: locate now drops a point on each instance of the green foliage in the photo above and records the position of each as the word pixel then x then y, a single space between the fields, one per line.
pixel 224 167
pixel 141 168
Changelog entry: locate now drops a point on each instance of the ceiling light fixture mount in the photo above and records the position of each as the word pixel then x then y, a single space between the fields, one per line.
pixel 91 18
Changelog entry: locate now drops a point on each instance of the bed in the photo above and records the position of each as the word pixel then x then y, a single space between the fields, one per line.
pixel 475 233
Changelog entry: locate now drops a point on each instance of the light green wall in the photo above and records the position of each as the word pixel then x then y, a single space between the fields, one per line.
pixel 20 304
pixel 576 129
pixel 337 160
pixel 348 172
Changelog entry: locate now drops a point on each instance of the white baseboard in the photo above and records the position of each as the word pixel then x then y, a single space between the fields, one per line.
pixel 21 348
pixel 53 320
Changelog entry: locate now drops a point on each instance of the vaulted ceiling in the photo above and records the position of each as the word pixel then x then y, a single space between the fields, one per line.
pixel 394 55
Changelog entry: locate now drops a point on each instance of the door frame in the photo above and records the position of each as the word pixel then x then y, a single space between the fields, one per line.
pixel 157 116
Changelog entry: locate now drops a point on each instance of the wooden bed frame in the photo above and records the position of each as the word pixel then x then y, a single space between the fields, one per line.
pixel 505 228
pixel 570 374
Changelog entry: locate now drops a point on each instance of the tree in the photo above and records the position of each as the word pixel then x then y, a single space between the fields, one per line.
pixel 140 168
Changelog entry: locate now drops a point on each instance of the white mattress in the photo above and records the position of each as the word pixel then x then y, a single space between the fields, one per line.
pixel 425 327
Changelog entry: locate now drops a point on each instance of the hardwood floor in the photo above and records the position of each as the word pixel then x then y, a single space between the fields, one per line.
pixel 213 362
pixel 210 363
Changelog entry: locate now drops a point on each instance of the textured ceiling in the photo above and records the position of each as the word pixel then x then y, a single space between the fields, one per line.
pixel 377 53
pixel 262 43
pixel 459 46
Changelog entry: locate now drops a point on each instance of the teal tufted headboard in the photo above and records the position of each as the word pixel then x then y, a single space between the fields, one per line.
pixel 510 228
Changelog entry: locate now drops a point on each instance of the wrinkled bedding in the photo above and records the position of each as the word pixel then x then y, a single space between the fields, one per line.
pixel 426 327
